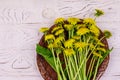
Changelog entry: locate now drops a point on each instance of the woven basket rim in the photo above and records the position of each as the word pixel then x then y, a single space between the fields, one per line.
pixel 42 64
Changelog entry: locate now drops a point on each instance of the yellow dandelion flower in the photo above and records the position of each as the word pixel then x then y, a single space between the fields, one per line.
pixel 57 46
pixel 69 43
pixel 50 46
pixel 82 31
pixel 95 38
pixel 59 20
pixel 76 37
pixel 101 49
pixel 59 32
pixel 78 26
pixel 97 54
pixel 95 30
pixel 55 29
pixel 91 46
pixel 69 52
pixel 68 27
pixel 80 49
pixel 100 44
pixel 59 39
pixel 44 29
pixel 80 44
pixel 89 21
pixel 73 21
pixel 54 45
pixel 49 37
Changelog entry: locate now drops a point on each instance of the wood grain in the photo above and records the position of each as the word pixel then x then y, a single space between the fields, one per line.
pixel 21 19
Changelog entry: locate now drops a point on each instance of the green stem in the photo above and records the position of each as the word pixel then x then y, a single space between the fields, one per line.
pixel 91 70
pixel 70 67
pixel 94 77
pixel 77 73
pixel 61 69
pixel 54 56
pixel 73 64
pixel 92 63
pixel 66 64
pixel 76 65
pixel 94 48
pixel 56 65
pixel 72 33
pixel 83 70
pixel 69 34
pixel 86 53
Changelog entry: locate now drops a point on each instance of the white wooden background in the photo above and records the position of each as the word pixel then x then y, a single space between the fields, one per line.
pixel 21 19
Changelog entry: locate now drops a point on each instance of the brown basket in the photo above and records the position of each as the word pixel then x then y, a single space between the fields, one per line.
pixel 49 74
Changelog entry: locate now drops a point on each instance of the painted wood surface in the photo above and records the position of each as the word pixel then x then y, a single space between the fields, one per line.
pixel 20 21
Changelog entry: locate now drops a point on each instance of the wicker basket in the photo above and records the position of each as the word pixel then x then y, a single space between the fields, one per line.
pixel 49 74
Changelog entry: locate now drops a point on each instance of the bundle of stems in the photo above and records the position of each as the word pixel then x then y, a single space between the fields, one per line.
pixel 80 44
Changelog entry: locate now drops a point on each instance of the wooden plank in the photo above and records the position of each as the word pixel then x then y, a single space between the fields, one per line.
pixel 21 19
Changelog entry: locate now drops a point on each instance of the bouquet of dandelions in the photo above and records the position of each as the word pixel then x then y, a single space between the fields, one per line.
pixel 80 44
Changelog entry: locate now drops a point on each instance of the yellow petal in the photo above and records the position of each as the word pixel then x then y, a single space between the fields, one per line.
pixel 59 39
pixel 78 26
pixel 95 30
pixel 82 31
pixel 100 44
pixel 49 36
pixel 76 37
pixel 89 21
pixel 59 32
pixel 44 29
pixel 59 20
pixel 101 49
pixel 50 46
pixel 55 29
pixel 69 52
pixel 68 27
pixel 97 54
pixel 73 21
pixel 80 44
pixel 69 43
